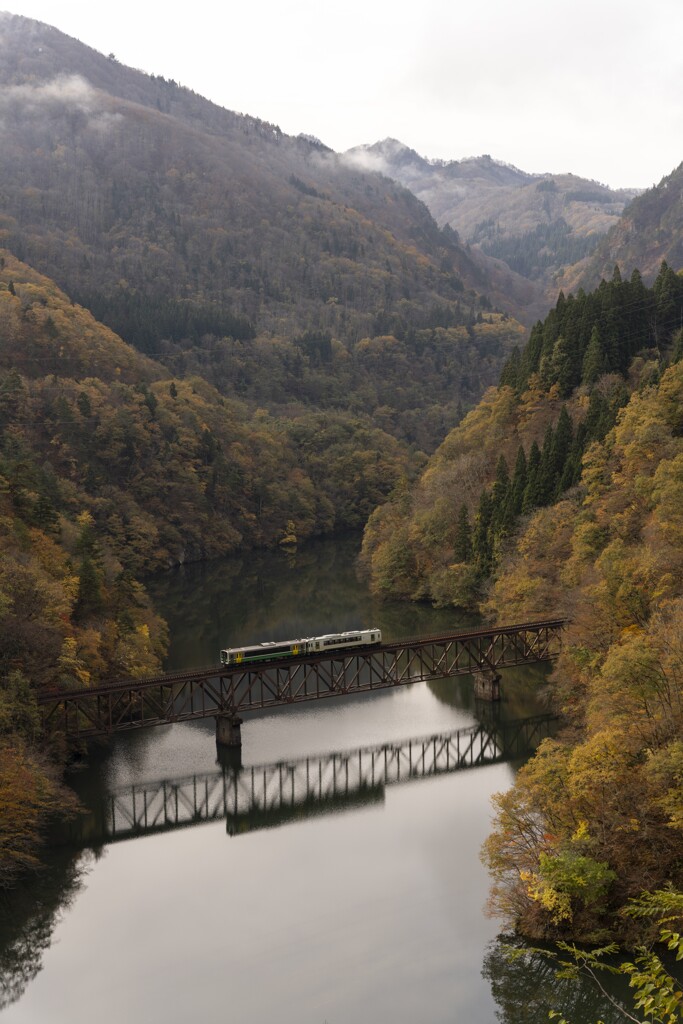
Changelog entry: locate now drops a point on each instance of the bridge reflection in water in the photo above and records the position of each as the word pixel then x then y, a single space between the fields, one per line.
pixel 266 796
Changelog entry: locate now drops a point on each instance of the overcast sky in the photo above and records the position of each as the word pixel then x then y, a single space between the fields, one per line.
pixel 593 86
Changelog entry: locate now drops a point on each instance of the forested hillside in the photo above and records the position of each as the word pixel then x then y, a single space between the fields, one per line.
pixel 523 445
pixel 287 339
pixel 561 493
pixel 650 230
pixel 220 246
pixel 597 816
pixel 111 467
pixel 286 336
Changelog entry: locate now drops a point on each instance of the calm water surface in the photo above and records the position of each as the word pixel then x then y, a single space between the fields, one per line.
pixel 368 910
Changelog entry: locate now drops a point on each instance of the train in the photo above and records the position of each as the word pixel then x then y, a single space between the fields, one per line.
pixel 274 650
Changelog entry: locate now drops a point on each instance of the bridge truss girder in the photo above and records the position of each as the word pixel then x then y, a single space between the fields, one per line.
pixel 135 704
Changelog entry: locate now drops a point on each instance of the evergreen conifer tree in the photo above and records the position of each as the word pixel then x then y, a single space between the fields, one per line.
pixel 510 374
pixel 594 362
pixel 547 475
pixel 562 369
pixel 531 493
pixel 482 547
pixel 463 536
pixel 519 481
pixel 677 353
pixel 499 498
pixel 562 441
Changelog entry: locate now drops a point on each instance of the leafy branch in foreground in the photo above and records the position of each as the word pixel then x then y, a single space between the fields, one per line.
pixel 657 994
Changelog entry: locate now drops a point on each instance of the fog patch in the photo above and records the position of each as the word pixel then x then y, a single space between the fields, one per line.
pixel 70 90
pixel 364 160
pixel 105 121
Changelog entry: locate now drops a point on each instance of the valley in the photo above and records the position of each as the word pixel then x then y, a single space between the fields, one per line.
pixel 217 339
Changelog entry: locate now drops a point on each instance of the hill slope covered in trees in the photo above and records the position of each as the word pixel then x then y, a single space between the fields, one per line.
pixel 223 247
pixel 561 493
pixel 649 231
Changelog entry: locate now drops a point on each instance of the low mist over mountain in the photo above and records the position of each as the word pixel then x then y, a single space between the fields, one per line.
pixel 537 224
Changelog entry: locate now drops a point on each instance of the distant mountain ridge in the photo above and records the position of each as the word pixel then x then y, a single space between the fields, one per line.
pixel 462 193
pixel 174 219
pixel 649 231
pixel 538 224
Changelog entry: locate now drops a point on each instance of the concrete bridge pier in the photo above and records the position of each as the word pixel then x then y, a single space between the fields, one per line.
pixel 228 732
pixel 487 685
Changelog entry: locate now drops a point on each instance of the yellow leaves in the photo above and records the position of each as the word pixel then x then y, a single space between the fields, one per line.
pixel 596 474
pixel 71 668
pixel 666 531
pixel 134 653
pixel 90 654
pixel 85 519
pixel 558 904
pixel 588 540
pixel 28 795
pixel 632 825
pixel 581 833
pixel 664 768
pixel 531 580
pixel 597 772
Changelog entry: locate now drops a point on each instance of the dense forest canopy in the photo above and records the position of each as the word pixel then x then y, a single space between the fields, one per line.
pixel 285 338
pixel 523 446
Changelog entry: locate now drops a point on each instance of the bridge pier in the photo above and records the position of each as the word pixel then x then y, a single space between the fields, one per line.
pixel 487 685
pixel 228 732
pixel 229 758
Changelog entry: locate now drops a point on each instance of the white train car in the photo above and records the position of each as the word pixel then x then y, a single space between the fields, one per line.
pixel 339 641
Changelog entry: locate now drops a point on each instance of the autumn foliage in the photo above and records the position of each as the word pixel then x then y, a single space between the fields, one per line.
pixel 562 491
pixel 608 795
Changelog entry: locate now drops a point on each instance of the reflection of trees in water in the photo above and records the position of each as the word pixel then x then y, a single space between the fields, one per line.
pixel 277 595
pixel 525 692
pixel 525 989
pixel 29 916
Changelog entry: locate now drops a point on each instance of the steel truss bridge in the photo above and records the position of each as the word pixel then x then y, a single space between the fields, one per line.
pixel 228 691
pixel 269 795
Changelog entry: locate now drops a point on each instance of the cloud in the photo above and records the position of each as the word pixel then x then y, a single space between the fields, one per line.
pixel 72 93
pixel 366 160
pixel 71 90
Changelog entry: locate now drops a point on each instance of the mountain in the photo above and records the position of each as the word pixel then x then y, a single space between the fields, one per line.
pixel 649 231
pixel 194 232
pixel 535 223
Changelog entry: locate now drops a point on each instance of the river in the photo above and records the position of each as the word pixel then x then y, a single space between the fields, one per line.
pixel 363 906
